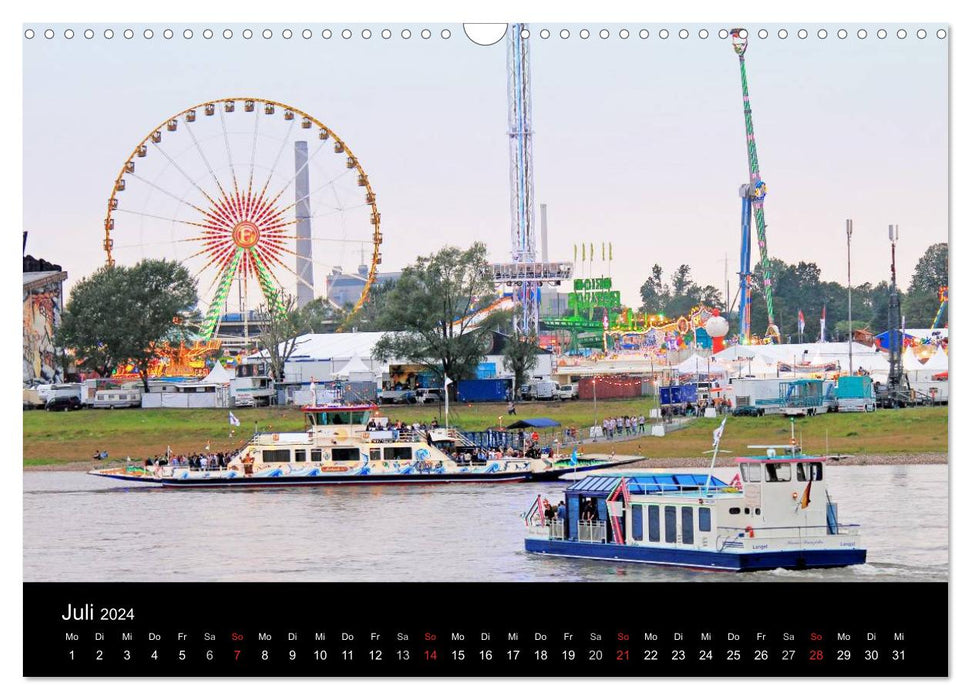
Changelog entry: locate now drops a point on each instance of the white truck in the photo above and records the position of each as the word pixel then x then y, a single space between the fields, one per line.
pixel 567 392
pixel 540 391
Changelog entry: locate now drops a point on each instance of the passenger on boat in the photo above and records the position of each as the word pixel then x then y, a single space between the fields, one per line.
pixel 548 510
pixel 561 511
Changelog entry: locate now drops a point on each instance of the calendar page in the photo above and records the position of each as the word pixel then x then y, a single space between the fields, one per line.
pixel 612 349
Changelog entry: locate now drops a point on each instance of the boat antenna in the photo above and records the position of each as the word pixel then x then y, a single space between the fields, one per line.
pixel 716 438
pixel 792 438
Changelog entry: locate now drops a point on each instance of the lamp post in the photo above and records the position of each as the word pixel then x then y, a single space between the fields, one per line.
pixel 849 288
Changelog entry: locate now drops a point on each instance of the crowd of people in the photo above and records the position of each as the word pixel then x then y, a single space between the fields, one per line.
pixel 623 425
pixel 199 460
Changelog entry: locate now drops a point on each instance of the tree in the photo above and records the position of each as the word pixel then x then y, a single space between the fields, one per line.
pixel 281 324
pixel 678 298
pixel 654 293
pixel 519 356
pixel 930 273
pixel 88 321
pixel 431 308
pixel 922 301
pixel 369 316
pixel 122 314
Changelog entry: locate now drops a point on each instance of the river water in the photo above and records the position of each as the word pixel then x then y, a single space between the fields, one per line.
pixel 81 528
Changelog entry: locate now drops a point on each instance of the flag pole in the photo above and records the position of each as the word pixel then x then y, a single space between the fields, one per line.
pixel 714 455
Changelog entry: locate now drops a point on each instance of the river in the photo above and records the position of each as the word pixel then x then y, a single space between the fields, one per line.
pixel 81 528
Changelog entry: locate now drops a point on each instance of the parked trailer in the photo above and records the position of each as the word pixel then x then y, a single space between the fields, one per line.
pixel 855 393
pixel 117 398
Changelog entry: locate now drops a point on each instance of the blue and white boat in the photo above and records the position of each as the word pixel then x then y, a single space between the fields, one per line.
pixel 342 445
pixel 776 512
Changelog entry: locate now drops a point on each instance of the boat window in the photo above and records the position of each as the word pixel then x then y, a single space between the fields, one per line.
pixel 397 452
pixel 751 472
pixel 670 524
pixel 375 453
pixel 300 455
pixel 800 472
pixel 817 469
pixel 276 455
pixel 346 454
pixel 704 519
pixel 315 455
pixel 734 511
pixel 637 522
pixel 778 472
pixel 654 523
pixel 687 525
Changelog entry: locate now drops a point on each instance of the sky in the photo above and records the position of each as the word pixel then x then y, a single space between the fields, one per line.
pixel 637 142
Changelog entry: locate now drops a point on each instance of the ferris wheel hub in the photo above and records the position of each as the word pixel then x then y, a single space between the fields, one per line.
pixel 246 234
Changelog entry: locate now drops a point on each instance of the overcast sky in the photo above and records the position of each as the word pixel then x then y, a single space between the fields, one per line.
pixel 638 142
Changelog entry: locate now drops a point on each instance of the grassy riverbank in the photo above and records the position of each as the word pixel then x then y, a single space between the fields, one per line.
pixel 61 438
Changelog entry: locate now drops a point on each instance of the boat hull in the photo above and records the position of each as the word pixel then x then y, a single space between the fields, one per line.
pixel 323 480
pixel 565 470
pixel 699 559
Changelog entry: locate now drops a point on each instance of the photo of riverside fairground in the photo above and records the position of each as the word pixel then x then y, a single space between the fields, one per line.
pixel 424 303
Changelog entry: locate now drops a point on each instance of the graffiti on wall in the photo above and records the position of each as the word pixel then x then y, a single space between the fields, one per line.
pixel 42 314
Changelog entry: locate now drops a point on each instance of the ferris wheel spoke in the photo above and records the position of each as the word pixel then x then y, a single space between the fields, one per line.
pixel 161 218
pixel 204 159
pixel 296 173
pixel 276 162
pixel 309 196
pixel 167 193
pixel 184 174
pixel 252 158
pixel 229 153
pixel 214 250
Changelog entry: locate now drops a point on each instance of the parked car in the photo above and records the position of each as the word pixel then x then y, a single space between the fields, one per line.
pixel 63 403
pixel 428 396
pixel 396 396
pixel 748 411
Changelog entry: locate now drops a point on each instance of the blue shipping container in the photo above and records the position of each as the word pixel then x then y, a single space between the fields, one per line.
pixel 475 390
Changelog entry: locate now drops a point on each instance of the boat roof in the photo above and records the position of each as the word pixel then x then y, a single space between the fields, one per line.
pixel 333 407
pixel 638 484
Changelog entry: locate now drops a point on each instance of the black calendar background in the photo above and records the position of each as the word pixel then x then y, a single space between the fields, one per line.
pixel 477 629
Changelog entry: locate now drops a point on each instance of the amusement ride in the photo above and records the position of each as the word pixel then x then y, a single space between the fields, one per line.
pixel 753 196
pixel 255 197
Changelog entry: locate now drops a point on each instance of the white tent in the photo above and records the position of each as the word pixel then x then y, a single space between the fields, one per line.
pixel 871 362
pixel 938 361
pixel 695 363
pixel 356 370
pixel 910 361
pixel 218 375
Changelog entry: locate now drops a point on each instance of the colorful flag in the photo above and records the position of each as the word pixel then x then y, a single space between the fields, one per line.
pixel 802 322
pixel 717 433
pixel 822 326
pixel 233 420
pixel 574 459
pixel 804 503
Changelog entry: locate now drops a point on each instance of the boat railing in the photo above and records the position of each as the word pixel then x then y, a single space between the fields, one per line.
pixel 592 531
pixel 730 535
pixel 551 529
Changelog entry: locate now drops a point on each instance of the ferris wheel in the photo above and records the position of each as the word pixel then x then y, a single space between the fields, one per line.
pixel 258 199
